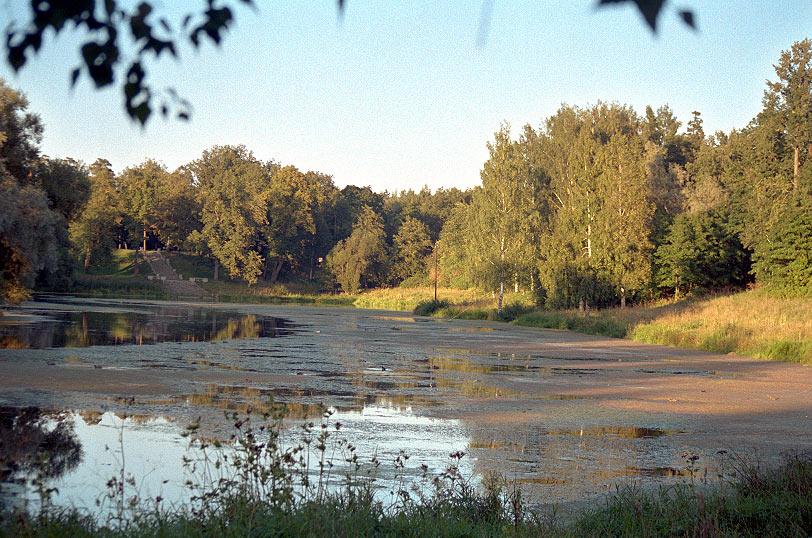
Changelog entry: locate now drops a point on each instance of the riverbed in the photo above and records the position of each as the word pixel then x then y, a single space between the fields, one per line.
pixel 564 416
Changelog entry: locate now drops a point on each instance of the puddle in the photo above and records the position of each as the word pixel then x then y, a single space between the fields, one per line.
pixel 94 323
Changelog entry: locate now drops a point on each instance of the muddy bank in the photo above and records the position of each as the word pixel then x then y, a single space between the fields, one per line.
pixel 566 415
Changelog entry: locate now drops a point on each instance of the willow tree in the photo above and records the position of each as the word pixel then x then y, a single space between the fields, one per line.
pixel 30 229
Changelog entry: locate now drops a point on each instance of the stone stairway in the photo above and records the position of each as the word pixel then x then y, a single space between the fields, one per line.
pixel 172 282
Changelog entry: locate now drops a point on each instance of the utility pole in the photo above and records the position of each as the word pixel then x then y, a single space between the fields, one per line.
pixel 435 269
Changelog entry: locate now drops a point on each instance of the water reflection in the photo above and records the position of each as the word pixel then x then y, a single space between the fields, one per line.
pixel 149 451
pixel 562 465
pixel 36 447
pixel 87 324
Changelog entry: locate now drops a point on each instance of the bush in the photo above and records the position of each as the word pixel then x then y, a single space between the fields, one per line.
pixel 427 308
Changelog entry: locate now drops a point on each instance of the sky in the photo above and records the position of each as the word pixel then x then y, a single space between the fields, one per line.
pixel 398 95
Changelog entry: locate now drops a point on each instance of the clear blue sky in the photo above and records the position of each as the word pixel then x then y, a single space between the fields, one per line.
pixel 399 94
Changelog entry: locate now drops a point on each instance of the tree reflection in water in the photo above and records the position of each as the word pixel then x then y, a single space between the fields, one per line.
pixel 154 324
pixel 36 446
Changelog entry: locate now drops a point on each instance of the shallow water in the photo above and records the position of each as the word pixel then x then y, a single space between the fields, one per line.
pixel 566 424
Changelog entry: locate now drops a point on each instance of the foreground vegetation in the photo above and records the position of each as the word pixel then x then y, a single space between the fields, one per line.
pixel 266 490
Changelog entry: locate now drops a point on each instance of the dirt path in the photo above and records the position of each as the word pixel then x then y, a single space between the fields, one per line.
pixel 172 282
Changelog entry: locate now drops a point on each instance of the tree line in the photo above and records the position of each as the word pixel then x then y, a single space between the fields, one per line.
pixel 597 206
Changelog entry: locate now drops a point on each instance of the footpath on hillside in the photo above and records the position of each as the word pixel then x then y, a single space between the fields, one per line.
pixel 172 282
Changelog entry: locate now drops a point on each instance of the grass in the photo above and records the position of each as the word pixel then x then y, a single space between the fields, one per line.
pixel 188 265
pixel 263 489
pixel 115 278
pixel 302 292
pixel 758 502
pixel 120 264
pixel 408 299
pixel 753 323
pixel 466 304
pixel 105 286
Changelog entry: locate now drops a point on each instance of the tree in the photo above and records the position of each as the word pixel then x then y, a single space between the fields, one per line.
pixel 234 190
pixel 31 232
pixel 790 99
pixel 701 251
pixel 457 254
pixel 143 189
pixel 359 261
pixel 67 187
pixel 412 245
pixel 290 223
pixel 502 228
pixel 121 39
pixel 177 211
pixel 784 259
pixel 67 184
pixel 28 237
pixel 93 232
pixel 601 212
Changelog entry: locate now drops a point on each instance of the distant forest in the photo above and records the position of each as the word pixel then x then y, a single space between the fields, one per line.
pixel 599 205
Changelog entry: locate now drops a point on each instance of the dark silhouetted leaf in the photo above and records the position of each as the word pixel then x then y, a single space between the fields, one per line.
pixel 74 76
pixel 648 8
pixel 99 59
pixel 688 18
pixel 16 57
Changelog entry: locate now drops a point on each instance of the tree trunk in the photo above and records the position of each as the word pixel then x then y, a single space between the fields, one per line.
pixel 501 296
pixel 516 283
pixel 622 298
pixel 87 259
pixel 216 269
pixel 676 287
pixel 276 269
pixel 796 169
pixel 145 237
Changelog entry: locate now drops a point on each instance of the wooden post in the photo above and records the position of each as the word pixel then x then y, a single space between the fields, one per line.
pixel 435 269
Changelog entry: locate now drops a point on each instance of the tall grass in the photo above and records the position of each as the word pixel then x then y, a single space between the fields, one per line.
pixel 758 502
pixel 752 323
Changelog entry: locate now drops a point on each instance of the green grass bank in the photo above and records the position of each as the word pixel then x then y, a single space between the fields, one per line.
pixel 115 278
pixel 753 323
